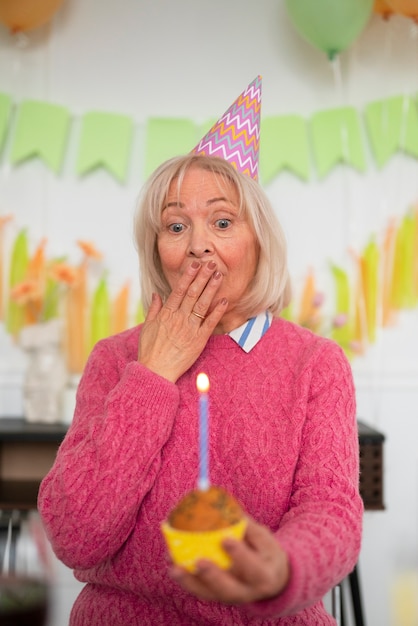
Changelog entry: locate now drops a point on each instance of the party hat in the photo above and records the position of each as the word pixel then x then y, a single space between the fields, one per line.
pixel 236 135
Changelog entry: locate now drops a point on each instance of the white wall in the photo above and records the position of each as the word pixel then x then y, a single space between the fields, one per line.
pixel 191 59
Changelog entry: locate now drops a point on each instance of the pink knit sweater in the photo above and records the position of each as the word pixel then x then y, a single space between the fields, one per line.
pixel 283 440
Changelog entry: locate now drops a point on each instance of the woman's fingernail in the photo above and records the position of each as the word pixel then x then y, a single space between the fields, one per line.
pixel 211 265
pixel 202 567
pixel 217 275
pixel 195 265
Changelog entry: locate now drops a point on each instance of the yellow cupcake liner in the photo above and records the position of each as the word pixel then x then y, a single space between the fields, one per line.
pixel 187 547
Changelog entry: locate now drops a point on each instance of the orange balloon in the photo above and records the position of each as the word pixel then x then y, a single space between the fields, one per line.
pixel 23 15
pixel 409 8
pixel 382 8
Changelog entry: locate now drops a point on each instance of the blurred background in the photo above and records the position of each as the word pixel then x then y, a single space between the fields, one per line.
pixel 100 92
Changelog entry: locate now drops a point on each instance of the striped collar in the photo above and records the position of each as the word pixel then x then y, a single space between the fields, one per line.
pixel 249 334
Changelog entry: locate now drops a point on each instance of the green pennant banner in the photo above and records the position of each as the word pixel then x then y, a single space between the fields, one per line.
pixel 166 138
pixel 392 125
pixel 41 131
pixel 105 141
pixel 283 145
pixel 336 138
pixel 5 109
pixel 288 142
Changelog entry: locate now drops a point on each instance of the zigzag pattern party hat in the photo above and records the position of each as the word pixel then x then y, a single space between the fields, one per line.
pixel 236 135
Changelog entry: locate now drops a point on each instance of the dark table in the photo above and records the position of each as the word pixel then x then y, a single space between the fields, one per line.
pixel 27 452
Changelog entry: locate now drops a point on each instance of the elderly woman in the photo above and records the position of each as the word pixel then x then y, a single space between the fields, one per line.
pixel 283 435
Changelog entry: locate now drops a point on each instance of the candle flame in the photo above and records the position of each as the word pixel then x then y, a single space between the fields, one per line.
pixel 202 383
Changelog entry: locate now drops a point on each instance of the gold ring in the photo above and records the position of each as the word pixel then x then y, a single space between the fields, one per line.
pixel 202 317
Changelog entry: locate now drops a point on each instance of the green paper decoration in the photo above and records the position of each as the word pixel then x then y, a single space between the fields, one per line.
pixel 405 296
pixel 330 25
pixel 15 314
pixel 41 130
pixel 100 321
pixel 336 137
pixel 283 145
pixel 140 313
pixel 342 334
pixel 5 109
pixel 287 141
pixel 167 138
pixel 105 141
pixel 392 125
pixel 370 260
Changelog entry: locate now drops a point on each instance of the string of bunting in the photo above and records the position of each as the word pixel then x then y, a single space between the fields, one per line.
pixel 304 147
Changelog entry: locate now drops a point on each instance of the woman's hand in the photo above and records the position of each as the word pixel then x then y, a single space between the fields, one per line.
pixel 260 570
pixel 175 333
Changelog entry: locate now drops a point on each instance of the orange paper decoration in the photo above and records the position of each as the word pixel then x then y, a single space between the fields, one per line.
pixel 309 314
pixel 382 8
pixel 120 310
pixel 360 320
pixel 388 311
pixel 36 274
pixel 24 15
pixel 409 8
pixel 77 305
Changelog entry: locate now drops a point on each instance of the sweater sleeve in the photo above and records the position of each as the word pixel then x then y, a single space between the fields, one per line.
pixel 321 530
pixel 109 458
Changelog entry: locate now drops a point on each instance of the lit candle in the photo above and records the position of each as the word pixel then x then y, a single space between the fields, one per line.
pixel 202 384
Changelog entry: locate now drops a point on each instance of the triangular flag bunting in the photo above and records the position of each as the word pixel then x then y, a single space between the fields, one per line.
pixel 165 139
pixel 284 145
pixel 41 131
pixel 392 125
pixel 336 138
pixel 105 141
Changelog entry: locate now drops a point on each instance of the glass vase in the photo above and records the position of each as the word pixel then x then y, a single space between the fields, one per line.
pixel 46 375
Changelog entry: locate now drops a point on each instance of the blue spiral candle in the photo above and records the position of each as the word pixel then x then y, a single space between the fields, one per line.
pixel 202 384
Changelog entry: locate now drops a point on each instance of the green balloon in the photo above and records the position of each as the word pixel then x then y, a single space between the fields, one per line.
pixel 330 25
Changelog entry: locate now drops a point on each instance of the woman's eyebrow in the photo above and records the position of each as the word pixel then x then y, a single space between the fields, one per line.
pixel 177 203
pixel 220 199
pixel 173 203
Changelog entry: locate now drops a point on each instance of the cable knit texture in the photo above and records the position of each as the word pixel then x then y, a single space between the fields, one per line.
pixel 283 440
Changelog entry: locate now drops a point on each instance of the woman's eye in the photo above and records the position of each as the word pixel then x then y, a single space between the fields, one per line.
pixel 175 228
pixel 223 223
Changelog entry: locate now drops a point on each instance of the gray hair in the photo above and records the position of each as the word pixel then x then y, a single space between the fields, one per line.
pixel 270 288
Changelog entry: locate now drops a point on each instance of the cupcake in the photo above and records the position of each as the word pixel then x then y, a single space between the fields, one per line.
pixel 196 527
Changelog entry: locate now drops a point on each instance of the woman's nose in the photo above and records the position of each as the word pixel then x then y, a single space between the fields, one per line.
pixel 199 243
